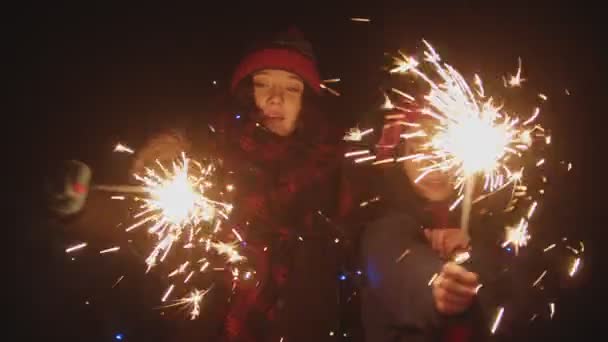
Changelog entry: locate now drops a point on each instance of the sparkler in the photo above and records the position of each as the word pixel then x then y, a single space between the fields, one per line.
pixel 122 148
pixel 181 208
pixel 176 205
pixel 192 302
pixel 473 135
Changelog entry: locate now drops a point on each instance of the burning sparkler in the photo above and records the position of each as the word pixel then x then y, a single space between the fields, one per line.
pixel 182 208
pixel 473 135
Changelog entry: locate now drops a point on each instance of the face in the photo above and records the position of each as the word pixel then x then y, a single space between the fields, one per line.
pixel 435 186
pixel 278 95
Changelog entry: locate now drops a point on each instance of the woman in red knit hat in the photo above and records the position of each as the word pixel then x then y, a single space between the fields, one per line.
pixel 286 155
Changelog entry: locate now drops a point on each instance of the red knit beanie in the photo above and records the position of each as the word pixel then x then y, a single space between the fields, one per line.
pixel 289 52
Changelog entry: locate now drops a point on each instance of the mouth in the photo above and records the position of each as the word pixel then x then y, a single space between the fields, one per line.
pixel 272 115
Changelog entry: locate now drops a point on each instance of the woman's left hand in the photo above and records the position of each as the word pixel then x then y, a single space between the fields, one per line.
pixel 446 241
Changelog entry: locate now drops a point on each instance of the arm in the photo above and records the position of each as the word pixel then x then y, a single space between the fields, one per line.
pixel 401 287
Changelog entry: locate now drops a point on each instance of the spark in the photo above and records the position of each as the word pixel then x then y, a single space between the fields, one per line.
pixel 574 267
pixel 356 153
pixel 533 117
pixel 364 159
pixel 238 236
pixel 123 148
pixel 337 240
pixel 548 139
pixel 543 97
pixel 332 80
pixel 167 293
pixel 548 248
pixel 403 255
pixel 355 134
pixel 539 279
pixel 582 246
pixel 229 249
pixel 109 250
pixel 118 281
pixel 540 162
pixel 76 247
pixel 456 202
pixel 188 277
pixel 569 166
pixel 300 238
pixel 517 236
pixel 552 309
pixel 413 135
pixel 332 91
pixel 399 92
pixel 567 91
pixel 365 203
pixel 388 104
pixel 384 161
pixel 574 250
pixel 180 269
pixel 192 301
pixel 532 209
pixel 515 80
pixel 363 20
pixel 433 279
pixel 497 319
pixel 120 198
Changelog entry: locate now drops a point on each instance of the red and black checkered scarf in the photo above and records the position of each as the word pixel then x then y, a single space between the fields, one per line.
pixel 281 188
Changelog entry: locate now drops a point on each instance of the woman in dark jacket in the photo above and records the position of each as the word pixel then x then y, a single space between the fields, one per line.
pixel 411 291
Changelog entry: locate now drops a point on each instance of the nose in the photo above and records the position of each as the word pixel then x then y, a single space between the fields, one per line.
pixel 276 96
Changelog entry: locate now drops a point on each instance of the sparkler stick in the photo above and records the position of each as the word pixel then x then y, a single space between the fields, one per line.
pixel 467 203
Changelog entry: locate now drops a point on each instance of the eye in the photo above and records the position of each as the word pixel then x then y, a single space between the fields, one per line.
pixel 260 84
pixel 294 89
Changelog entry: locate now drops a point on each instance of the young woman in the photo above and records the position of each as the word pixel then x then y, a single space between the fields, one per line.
pixel 286 156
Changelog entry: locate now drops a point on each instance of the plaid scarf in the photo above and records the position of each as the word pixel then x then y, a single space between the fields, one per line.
pixel 280 192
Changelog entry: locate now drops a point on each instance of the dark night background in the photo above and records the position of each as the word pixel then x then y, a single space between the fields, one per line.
pixel 96 74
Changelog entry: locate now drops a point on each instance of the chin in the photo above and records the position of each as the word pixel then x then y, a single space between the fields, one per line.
pixel 280 131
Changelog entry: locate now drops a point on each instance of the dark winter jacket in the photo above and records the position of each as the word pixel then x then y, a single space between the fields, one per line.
pixel 399 264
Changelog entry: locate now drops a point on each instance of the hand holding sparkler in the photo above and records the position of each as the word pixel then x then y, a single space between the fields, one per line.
pixel 447 241
pixel 164 147
pixel 454 289
pixel 183 208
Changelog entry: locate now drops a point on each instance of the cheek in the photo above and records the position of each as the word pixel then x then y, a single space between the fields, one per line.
pixel 293 107
pixel 259 98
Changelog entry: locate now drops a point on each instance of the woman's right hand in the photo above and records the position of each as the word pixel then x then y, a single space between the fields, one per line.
pixel 164 147
pixel 454 289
